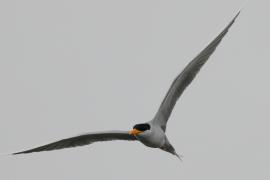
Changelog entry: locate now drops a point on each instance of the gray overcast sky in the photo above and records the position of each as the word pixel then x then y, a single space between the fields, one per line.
pixel 70 67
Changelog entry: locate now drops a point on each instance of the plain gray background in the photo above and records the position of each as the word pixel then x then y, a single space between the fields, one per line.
pixel 70 67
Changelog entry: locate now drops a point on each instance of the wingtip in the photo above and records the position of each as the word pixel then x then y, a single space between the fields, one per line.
pixel 19 153
pixel 238 13
pixel 233 20
pixel 241 8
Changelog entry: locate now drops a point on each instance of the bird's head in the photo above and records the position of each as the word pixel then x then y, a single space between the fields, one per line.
pixel 140 128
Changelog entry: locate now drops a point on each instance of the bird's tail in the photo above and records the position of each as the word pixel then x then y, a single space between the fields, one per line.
pixel 180 157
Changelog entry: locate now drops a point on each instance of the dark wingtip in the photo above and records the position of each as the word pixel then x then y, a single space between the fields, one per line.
pixel 233 20
pixel 17 153
pixel 21 152
pixel 237 14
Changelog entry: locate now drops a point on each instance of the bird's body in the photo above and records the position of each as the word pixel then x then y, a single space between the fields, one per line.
pixel 155 137
pixel 151 133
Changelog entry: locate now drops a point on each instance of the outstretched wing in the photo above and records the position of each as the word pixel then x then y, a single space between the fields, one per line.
pixel 185 78
pixel 82 140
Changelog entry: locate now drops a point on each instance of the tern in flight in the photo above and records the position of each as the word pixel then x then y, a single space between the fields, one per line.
pixel 151 133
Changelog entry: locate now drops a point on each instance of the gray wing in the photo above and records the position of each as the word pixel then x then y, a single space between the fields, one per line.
pixel 185 78
pixel 82 140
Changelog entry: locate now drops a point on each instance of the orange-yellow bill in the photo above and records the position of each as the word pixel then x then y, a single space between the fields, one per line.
pixel 134 132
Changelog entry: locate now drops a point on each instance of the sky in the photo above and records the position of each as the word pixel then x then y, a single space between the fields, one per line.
pixel 70 67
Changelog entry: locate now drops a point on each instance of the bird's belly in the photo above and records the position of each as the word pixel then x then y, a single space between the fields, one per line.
pixel 151 144
pixel 154 140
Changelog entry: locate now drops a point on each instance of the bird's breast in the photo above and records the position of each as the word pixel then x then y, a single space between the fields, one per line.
pixel 153 138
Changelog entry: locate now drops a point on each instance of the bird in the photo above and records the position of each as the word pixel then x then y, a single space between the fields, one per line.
pixel 151 133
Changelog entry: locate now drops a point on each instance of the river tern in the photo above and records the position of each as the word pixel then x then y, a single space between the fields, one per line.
pixel 151 133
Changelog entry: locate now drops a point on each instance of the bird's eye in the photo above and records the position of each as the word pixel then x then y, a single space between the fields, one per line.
pixel 142 127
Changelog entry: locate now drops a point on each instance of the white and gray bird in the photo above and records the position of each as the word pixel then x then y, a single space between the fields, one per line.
pixel 151 133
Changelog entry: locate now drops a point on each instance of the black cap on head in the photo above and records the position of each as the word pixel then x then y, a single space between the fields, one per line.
pixel 142 127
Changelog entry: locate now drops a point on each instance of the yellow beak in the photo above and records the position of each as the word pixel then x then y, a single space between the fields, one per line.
pixel 134 132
